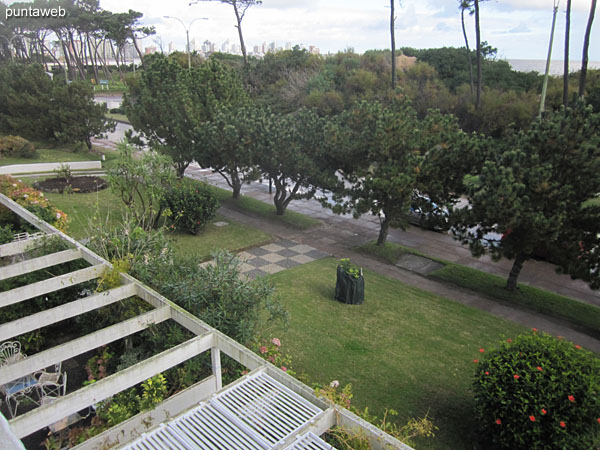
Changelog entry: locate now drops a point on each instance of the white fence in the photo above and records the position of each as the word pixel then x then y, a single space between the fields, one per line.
pixel 49 167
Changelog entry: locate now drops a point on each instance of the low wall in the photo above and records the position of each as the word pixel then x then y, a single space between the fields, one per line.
pixel 49 167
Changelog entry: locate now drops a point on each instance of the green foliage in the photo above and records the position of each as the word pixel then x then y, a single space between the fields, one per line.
pixel 532 190
pixel 168 102
pixel 35 106
pixel 270 350
pixel 217 293
pixel 111 278
pixel 154 391
pixel 16 146
pixel 293 153
pixel 32 200
pixel 382 151
pixel 538 392
pixel 345 439
pixel 142 183
pixel 6 233
pixel 192 205
pixel 351 269
pixel 230 143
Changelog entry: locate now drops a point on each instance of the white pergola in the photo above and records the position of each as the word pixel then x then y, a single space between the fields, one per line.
pixel 265 409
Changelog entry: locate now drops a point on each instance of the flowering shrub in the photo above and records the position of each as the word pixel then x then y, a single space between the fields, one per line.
pixel 271 351
pixel 192 205
pixel 32 200
pixel 539 392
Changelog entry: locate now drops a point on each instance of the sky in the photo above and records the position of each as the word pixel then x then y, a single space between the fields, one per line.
pixel 519 29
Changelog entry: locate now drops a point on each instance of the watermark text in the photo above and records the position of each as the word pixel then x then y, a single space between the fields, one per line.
pixel 35 12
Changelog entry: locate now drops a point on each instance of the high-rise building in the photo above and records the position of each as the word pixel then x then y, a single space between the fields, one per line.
pixel 225 46
pixel 171 47
pixel 288 45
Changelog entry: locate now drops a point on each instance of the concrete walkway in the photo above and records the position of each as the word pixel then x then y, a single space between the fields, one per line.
pixel 339 234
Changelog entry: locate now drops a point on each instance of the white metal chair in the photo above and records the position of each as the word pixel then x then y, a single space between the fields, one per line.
pixel 16 391
pixel 51 383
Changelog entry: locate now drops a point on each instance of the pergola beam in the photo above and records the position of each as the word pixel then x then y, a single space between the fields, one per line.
pixel 45 415
pixel 32 290
pixel 18 247
pixel 83 344
pixel 59 313
pixel 39 263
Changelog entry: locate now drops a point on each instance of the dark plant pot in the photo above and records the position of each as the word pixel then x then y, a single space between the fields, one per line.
pixel 348 289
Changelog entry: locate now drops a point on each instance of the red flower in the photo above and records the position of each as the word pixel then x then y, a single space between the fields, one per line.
pixel 263 349
pixel 516 377
pixel 498 422
pixel 532 418
pixel 578 346
pixel 544 411
pixel 559 337
pixel 562 424
pixel 534 330
pixel 509 340
pixel 571 398
pixel 475 361
pixel 486 372
pixel 481 350
pixel 284 368
pixel 539 368
pixel 598 419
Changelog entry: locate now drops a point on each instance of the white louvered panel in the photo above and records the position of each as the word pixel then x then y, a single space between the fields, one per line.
pixel 205 428
pixel 310 441
pixel 160 439
pixel 267 407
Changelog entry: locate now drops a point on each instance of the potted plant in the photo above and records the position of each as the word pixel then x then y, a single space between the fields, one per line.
pixel 350 284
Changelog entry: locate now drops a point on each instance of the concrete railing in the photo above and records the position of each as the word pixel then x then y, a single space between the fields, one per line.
pixel 49 167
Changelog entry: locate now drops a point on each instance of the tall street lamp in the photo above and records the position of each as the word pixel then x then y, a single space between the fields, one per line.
pixel 187 34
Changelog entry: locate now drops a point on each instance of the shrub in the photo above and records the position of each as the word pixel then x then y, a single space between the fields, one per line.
pixel 6 234
pixel 192 205
pixel 16 146
pixel 539 392
pixel 32 200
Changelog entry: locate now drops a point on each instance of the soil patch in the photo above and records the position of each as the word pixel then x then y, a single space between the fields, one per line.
pixel 77 184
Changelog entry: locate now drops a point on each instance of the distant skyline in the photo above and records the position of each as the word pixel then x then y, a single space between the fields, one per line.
pixel 519 29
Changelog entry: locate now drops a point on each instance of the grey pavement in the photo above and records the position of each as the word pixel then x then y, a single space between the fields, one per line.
pixel 338 235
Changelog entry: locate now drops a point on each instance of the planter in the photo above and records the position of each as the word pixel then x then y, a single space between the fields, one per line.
pixel 349 287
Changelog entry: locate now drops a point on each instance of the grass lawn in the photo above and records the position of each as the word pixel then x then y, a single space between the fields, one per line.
pixel 118 117
pixel 404 348
pixel 253 206
pixel 53 155
pixel 578 313
pixel 81 208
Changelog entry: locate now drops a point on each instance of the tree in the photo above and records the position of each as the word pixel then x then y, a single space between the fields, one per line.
pixel 142 184
pixel 231 140
pixel 35 106
pixel 479 56
pixel 533 189
pixel 393 39
pixel 586 45
pixel 467 5
pixel 168 102
pixel 381 151
pixel 239 8
pixel 566 58
pixel 294 155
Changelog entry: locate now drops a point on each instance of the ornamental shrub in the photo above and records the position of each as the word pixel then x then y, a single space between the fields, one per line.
pixel 192 205
pixel 16 146
pixel 32 200
pixel 539 392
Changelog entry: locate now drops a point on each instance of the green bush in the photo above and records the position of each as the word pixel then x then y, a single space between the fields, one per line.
pixel 539 392
pixel 193 205
pixel 16 146
pixel 6 233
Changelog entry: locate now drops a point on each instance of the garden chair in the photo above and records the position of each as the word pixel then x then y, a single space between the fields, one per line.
pixel 16 391
pixel 51 383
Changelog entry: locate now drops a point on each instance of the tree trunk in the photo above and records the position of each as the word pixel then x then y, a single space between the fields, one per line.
pixel 383 231
pixel 138 50
pixel 236 185
pixel 239 27
pixel 280 204
pixel 478 37
pixel 393 37
pixel 511 283
pixel 462 18
pixel 566 59
pixel 586 46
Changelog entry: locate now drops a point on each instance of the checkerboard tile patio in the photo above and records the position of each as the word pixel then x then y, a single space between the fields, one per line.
pixel 277 256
